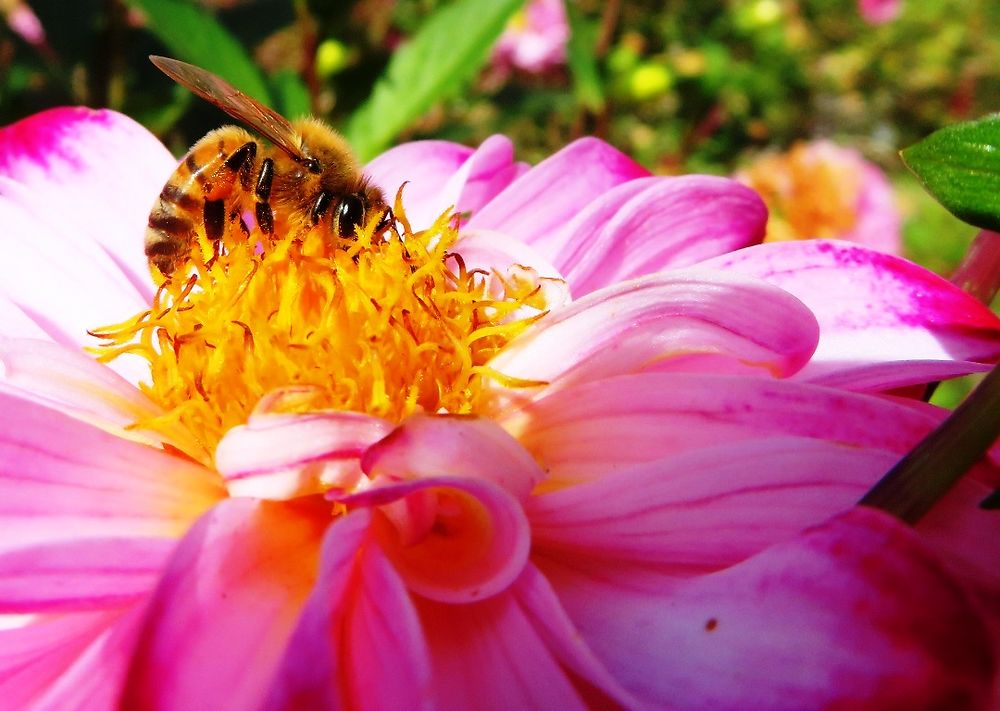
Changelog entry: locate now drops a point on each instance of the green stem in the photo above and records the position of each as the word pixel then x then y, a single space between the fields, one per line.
pixel 914 485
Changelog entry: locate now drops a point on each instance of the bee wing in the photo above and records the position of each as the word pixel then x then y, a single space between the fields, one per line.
pixel 217 91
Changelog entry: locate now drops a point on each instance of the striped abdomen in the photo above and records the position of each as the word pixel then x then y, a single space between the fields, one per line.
pixel 204 191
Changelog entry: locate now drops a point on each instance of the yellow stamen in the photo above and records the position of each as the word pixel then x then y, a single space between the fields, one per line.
pixel 388 324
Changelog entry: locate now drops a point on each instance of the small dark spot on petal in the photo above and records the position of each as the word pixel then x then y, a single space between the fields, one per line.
pixel 711 624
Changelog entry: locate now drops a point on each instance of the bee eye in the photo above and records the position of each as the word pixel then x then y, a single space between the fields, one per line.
pixel 350 215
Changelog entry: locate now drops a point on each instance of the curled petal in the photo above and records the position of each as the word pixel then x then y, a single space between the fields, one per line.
pixel 673 222
pixel 450 539
pixel 433 446
pixel 553 192
pixel 665 322
pixel 279 457
pixel 873 308
pixel 229 597
pixel 62 479
pixel 825 620
pixel 358 616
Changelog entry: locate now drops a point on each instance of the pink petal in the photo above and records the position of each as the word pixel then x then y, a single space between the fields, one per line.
pixel 540 605
pixel 358 642
pixel 279 457
pixel 705 509
pixel 15 322
pixel 34 657
pixel 62 479
pixel 674 222
pixel 93 679
pixel 440 175
pixel 74 575
pixel 967 538
pixel 76 158
pixel 593 429
pixel 485 175
pixel 490 653
pixel 425 167
pixel 488 250
pixel 895 376
pixel 665 321
pixel 873 308
pixel 64 284
pixel 549 195
pixel 67 380
pixel 827 620
pixel 218 624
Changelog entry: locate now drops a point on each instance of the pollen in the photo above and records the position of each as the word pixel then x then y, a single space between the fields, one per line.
pixel 389 324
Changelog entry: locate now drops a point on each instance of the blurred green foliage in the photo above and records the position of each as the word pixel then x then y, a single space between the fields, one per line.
pixel 682 86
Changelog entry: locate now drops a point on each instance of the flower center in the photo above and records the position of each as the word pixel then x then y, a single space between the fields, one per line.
pixel 809 192
pixel 387 324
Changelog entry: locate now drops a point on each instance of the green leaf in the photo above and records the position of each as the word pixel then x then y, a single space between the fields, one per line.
pixel 960 166
pixel 447 51
pixel 195 36
pixel 581 60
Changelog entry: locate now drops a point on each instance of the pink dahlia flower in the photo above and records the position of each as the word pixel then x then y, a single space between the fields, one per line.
pixel 820 190
pixel 535 40
pixel 593 448
pixel 877 12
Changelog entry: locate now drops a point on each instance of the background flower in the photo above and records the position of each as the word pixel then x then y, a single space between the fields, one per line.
pixel 819 190
pixel 879 11
pixel 698 436
pixel 535 39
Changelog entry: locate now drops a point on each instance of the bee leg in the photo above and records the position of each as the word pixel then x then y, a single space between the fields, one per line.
pixel 215 218
pixel 265 216
pixel 241 161
pixel 220 184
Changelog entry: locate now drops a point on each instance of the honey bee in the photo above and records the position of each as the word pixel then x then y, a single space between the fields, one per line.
pixel 308 178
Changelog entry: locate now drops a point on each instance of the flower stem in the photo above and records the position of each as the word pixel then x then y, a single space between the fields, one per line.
pixel 923 476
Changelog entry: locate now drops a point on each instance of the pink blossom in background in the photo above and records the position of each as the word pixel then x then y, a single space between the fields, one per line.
pixel 877 12
pixel 664 519
pixel 821 190
pixel 23 20
pixel 535 40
